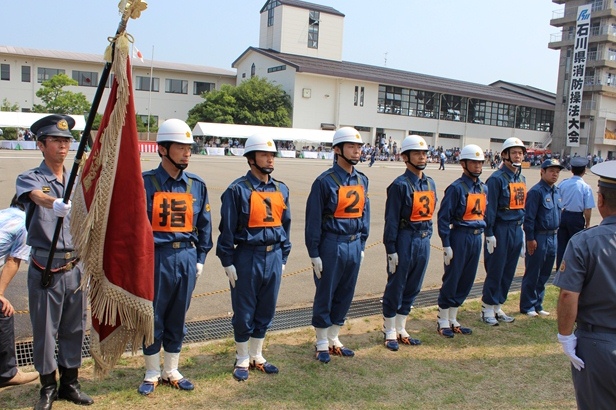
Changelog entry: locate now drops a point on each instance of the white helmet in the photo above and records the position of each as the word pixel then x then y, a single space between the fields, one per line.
pixel 513 142
pixel 472 152
pixel 259 142
pixel 174 130
pixel 414 143
pixel 347 134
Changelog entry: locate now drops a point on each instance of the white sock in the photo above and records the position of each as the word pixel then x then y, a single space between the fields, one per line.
pixel 242 356
pixel 255 349
pixel 389 327
pixel 152 367
pixel 401 325
pixel 322 343
pixel 332 336
pixel 443 318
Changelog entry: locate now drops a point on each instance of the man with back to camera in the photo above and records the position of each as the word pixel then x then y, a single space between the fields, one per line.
pixel 504 238
pixel 541 219
pixel 13 250
pixel 337 227
pixel 58 310
pixel 577 204
pixel 410 205
pixel 588 298
pixel 461 221
pixel 179 210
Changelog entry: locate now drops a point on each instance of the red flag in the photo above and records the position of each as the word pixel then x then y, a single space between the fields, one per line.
pixel 111 229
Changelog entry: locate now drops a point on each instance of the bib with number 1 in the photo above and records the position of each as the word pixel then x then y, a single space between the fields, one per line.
pixel 266 209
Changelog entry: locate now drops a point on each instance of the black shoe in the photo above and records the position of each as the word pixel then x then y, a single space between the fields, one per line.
pixel 70 389
pixel 49 392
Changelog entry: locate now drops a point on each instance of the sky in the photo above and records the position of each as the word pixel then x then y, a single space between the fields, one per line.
pixel 480 41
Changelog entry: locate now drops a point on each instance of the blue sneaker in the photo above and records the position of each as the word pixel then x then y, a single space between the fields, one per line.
pixel 146 388
pixel 409 341
pixel 266 367
pixel 182 384
pixel 323 356
pixel 240 373
pixel 392 344
pixel 341 351
pixel 445 331
pixel 461 330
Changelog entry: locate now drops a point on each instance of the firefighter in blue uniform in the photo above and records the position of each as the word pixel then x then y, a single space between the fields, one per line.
pixel 504 238
pixel 461 221
pixel 253 247
pixel 577 204
pixel 587 301
pixel 179 209
pixel 337 226
pixel 541 220
pixel 410 205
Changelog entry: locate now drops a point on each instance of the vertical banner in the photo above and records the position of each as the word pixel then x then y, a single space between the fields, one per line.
pixel 578 69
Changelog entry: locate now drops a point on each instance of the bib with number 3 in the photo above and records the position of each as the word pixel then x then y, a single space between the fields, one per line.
pixel 423 206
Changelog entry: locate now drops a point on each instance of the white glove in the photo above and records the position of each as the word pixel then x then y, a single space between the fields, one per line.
pixel 361 259
pixel 448 256
pixel 199 269
pixel 283 266
pixel 231 274
pixel 491 243
pixel 523 250
pixel 569 343
pixel 60 209
pixel 317 266
pixel 392 262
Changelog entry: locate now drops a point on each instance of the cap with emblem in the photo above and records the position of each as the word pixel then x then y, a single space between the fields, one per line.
pixel 54 125
pixel 548 163
pixel 606 171
pixel 579 162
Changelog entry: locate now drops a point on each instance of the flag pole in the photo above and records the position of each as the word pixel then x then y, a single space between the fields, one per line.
pixel 47 274
pixel 150 94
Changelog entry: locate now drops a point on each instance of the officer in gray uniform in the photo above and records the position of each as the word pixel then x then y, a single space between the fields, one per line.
pixel 57 311
pixel 588 298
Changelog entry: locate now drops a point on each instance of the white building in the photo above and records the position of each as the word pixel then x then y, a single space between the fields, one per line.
pixel 176 87
pixel 300 48
pixel 598 103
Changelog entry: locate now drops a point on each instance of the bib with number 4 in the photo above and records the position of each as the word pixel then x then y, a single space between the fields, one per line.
pixel 475 207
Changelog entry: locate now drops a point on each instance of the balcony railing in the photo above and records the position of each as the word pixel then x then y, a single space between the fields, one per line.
pixel 565 35
pixel 572 11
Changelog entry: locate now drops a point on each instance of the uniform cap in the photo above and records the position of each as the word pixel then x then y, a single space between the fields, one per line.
pixel 414 143
pixel 174 130
pixel 513 142
pixel 347 134
pixel 472 152
pixel 54 125
pixel 259 142
pixel 606 171
pixel 548 163
pixel 579 162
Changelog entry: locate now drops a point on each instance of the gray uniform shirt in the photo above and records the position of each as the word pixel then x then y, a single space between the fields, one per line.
pixel 589 268
pixel 41 221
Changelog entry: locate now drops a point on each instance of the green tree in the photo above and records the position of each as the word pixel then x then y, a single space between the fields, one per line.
pixel 7 106
pixel 254 102
pixel 59 101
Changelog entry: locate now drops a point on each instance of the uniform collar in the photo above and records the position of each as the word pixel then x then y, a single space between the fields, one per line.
pixel 46 171
pixel 163 175
pixel 342 173
pixel 256 181
pixel 414 178
pixel 469 181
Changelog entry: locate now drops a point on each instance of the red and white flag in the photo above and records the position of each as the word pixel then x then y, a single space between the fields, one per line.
pixel 111 230
pixel 137 53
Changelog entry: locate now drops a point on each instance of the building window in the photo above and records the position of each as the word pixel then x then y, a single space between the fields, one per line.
pixel 356 96
pixel 313 29
pixel 270 11
pixel 361 97
pixel 143 84
pixel 453 108
pixel 86 78
pixel 201 87
pixel 145 119
pixel 173 86
pixel 277 68
pixel 253 70
pixel 5 72
pixel 25 74
pixel 44 74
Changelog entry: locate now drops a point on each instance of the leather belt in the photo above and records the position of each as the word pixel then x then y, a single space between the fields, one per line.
pixel 176 245
pixel 474 231
pixel 66 255
pixel 65 268
pixel 548 232
pixel 510 222
pixel 587 327
pixel 261 248
pixel 342 238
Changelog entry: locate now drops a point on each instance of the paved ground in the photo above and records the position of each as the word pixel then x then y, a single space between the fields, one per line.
pixel 211 297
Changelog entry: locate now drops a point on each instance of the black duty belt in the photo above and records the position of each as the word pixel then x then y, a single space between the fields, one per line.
pixel 548 232
pixel 66 255
pixel 502 221
pixel 474 231
pixel 64 268
pixel 587 327
pixel 176 245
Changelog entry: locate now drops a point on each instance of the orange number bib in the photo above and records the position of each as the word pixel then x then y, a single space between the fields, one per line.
pixel 351 200
pixel 172 212
pixel 266 209
pixel 475 207
pixel 517 192
pixel 423 206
